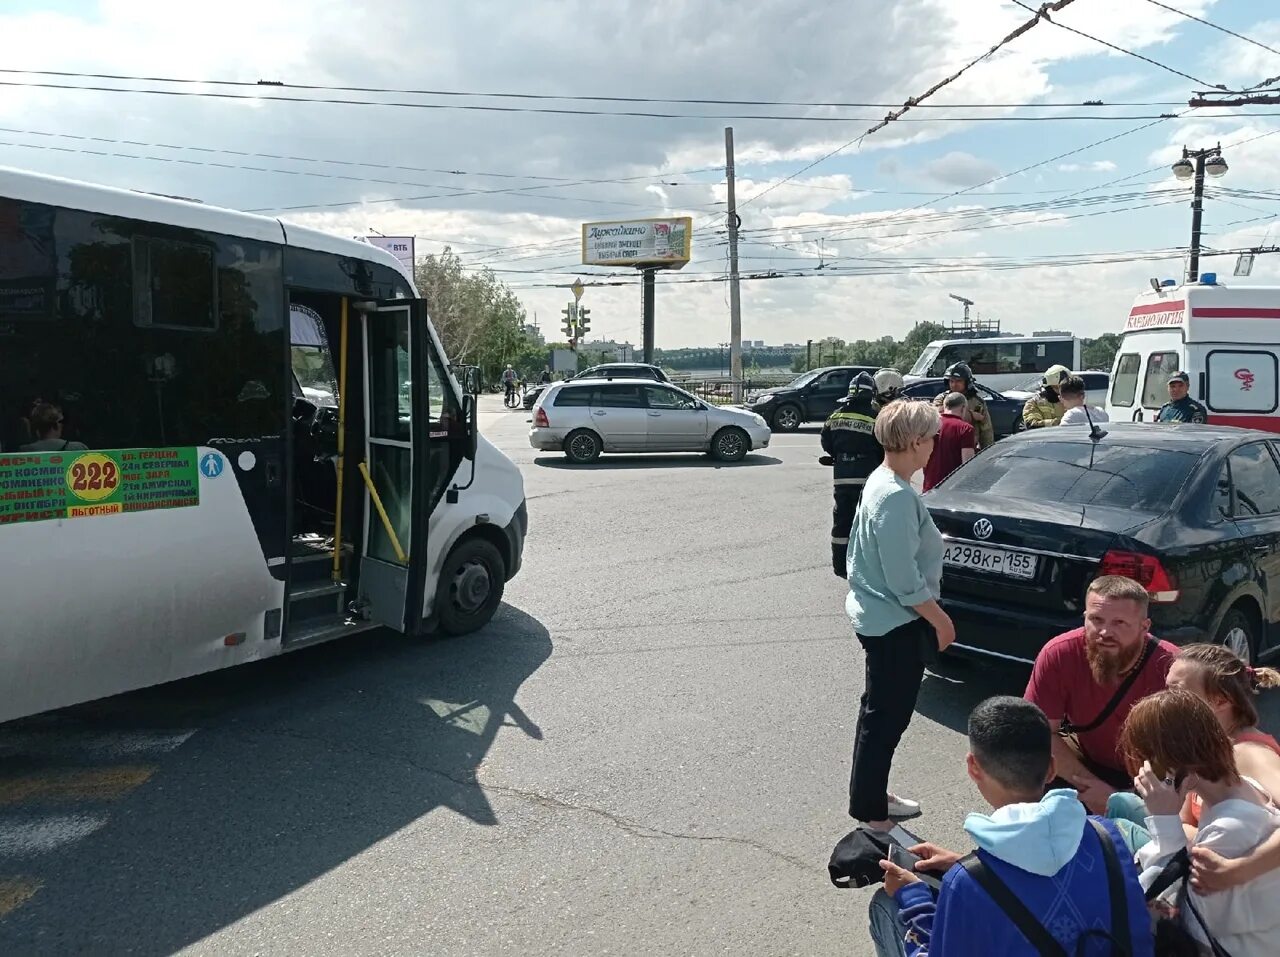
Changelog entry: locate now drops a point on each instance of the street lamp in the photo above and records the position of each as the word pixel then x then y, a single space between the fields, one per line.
pixel 1194 164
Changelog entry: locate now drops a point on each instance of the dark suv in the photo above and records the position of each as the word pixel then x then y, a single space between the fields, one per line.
pixel 607 370
pixel 809 398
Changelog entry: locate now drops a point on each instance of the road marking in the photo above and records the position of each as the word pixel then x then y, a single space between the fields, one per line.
pixel 16 891
pixel 29 838
pixel 81 784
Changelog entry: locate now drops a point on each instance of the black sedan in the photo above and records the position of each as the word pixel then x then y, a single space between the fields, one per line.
pixel 1192 512
pixel 1006 413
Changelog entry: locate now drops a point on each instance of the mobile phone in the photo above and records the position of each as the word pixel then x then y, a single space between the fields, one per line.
pixel 907 861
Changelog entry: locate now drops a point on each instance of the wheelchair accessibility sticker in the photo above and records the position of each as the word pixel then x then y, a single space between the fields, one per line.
pixel 211 465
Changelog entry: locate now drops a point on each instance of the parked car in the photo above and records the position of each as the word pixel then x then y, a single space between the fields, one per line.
pixel 607 370
pixel 1096 385
pixel 1006 414
pixel 1192 512
pixel 811 397
pixel 583 418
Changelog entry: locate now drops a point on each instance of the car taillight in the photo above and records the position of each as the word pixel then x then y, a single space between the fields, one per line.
pixel 1146 570
pixel 540 419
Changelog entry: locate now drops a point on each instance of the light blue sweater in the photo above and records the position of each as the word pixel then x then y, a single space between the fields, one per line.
pixel 895 556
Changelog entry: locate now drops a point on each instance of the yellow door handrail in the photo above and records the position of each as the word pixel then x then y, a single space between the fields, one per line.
pixel 342 442
pixel 382 514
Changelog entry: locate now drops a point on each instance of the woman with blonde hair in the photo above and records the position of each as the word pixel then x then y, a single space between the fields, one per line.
pixel 1174 745
pixel 895 578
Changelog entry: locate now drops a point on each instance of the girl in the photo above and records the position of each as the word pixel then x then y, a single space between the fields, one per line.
pixel 1174 744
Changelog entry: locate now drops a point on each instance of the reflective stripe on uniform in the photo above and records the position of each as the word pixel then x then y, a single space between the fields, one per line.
pixel 852 422
pixel 850 481
pixel 839 541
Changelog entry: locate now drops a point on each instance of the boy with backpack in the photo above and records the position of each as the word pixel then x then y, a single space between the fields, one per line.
pixel 1046 879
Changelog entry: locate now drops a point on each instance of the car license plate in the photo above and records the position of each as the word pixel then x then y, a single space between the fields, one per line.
pixel 995 561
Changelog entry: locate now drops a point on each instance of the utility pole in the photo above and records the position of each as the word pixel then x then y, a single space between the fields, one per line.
pixel 646 310
pixel 735 301
pixel 1209 161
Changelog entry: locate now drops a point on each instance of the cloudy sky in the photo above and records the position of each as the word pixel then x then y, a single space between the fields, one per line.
pixel 868 241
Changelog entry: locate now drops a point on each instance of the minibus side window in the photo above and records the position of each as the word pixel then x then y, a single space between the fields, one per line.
pixel 1125 385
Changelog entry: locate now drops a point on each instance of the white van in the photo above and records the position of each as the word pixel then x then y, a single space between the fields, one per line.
pixel 998 362
pixel 1226 339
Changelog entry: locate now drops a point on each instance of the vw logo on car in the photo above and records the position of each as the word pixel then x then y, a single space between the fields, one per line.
pixel 982 529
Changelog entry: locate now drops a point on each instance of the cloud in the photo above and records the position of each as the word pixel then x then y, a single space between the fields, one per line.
pixel 961 169
pixel 1098 166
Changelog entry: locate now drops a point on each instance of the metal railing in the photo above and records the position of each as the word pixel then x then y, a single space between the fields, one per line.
pixel 723 390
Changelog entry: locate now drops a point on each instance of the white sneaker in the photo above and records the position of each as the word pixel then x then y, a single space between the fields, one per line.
pixel 902 807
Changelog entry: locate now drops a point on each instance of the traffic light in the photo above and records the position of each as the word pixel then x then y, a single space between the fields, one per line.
pixel 569 313
pixel 584 320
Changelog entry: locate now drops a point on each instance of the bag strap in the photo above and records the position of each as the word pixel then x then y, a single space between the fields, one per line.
pixel 1014 909
pixel 1123 690
pixel 1120 931
pixel 1217 948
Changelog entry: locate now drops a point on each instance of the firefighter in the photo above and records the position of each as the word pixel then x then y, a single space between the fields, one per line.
pixel 888 385
pixel 960 379
pixel 848 437
pixel 1181 407
pixel 1045 408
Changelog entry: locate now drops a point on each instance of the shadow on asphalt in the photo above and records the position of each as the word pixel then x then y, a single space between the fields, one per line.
pixel 957 685
pixel 313 758
pixel 948 695
pixel 695 460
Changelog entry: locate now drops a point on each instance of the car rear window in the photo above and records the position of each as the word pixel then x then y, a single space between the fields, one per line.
pixel 1141 478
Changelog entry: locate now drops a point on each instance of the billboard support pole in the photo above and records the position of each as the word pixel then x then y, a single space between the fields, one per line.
pixel 735 301
pixel 646 310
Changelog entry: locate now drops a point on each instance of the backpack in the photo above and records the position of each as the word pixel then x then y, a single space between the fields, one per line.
pixel 1035 933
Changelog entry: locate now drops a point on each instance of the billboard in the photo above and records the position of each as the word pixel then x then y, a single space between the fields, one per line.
pixel 661 243
pixel 399 246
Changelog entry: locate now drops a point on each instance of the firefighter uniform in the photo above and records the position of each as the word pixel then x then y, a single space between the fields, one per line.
pixel 848 436
pixel 983 426
pixel 1045 407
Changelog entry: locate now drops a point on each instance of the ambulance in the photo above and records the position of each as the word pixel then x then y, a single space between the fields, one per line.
pixel 1226 339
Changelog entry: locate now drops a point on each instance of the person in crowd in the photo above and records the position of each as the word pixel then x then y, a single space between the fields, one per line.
pixel 955 444
pixel 1174 744
pixel 1181 407
pixel 895 578
pixel 848 436
pixel 889 386
pixel 1229 686
pixel 960 379
pixel 1087 680
pixel 46 425
pixel 1075 411
pixel 1041 846
pixel 545 377
pixel 1045 407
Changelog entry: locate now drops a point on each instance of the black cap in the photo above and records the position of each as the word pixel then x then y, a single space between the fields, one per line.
pixel 1180 377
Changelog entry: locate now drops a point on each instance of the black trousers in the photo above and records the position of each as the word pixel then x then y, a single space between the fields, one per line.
pixel 894 670
pixel 847 498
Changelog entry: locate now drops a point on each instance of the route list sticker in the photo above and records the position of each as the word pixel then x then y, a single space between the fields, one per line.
pixel 39 486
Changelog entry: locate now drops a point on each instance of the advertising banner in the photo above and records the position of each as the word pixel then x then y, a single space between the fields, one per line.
pixel 663 243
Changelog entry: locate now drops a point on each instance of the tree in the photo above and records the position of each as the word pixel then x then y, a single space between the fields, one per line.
pixel 480 321
pixel 1100 353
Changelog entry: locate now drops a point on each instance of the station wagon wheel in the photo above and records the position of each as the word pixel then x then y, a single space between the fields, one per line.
pixel 1238 635
pixel 582 446
pixel 730 445
pixel 786 419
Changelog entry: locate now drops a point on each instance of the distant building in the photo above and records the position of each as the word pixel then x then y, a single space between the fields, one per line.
pixel 532 333
pixel 622 351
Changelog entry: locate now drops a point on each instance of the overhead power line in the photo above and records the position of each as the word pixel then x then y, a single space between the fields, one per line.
pixel 578 98
pixel 1118 49
pixel 643 114
pixel 896 116
pixel 1232 33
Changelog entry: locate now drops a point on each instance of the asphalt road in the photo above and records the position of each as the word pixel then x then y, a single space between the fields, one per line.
pixel 646 753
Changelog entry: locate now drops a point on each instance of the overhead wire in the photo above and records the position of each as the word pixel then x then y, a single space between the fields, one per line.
pixel 1207 23
pixel 1126 52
